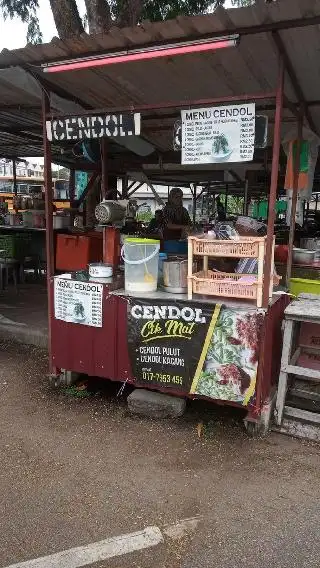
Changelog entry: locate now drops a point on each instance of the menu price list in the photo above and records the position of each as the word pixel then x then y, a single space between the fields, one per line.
pixel 218 134
pixel 78 302
pixel 247 134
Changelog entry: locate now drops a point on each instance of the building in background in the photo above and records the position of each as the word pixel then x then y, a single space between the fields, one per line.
pixel 23 169
pixel 29 175
pixel 146 199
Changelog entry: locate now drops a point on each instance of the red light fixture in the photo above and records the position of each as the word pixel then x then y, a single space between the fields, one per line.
pixel 142 54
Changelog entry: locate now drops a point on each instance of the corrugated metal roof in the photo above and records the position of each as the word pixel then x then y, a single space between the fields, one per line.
pixel 21 114
pixel 251 67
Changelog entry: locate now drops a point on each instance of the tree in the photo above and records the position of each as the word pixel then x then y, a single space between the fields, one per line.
pixel 26 10
pixel 101 15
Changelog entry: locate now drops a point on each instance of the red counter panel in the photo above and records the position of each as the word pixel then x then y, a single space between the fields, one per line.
pixel 86 349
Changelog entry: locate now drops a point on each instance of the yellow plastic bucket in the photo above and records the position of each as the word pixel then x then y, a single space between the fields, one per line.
pixel 302 285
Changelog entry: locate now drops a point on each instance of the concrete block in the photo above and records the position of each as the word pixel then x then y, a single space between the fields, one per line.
pixel 155 404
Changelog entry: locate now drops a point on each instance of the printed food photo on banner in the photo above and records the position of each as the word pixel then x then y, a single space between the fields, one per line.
pixel 229 364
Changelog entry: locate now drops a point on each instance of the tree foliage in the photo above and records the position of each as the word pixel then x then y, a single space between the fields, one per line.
pixel 26 10
pixel 101 15
pixel 155 10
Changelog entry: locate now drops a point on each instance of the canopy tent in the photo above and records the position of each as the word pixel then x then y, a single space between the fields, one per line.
pixel 160 87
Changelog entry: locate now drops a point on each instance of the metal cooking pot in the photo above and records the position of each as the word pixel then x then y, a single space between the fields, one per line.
pixel 303 256
pixel 175 275
pixel 311 244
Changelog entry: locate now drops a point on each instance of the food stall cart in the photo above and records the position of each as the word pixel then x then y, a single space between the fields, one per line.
pixel 223 344
pixel 226 349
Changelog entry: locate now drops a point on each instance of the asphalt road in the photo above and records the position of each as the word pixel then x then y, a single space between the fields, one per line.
pixel 77 471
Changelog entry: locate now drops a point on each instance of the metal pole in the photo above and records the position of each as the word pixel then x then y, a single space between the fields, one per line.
pixel 296 169
pixel 72 192
pixel 226 199
pixel 194 201
pixel 49 221
pixel 211 203
pixel 124 186
pixel 306 207
pixel 273 185
pixel 135 189
pixel 72 186
pixel 14 171
pixel 246 201
pixel 104 167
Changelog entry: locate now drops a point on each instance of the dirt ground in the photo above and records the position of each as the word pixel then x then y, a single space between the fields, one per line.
pixel 79 470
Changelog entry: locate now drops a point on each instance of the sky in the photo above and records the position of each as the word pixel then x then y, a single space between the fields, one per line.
pixel 13 32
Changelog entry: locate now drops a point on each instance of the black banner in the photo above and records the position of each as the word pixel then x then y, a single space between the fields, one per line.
pixel 167 341
pixel 90 127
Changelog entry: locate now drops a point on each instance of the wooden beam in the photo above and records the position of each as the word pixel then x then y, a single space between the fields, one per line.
pixel 88 188
pixel 267 26
pixel 293 78
pixel 14 171
pixel 235 176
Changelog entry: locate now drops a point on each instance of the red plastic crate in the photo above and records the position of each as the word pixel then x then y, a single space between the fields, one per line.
pixel 75 252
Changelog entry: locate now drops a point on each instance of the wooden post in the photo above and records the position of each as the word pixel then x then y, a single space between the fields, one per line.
pixel 246 198
pixel 194 202
pixel 124 183
pixel 296 167
pixel 104 167
pixel 14 171
pixel 283 376
pixel 190 263
pixel 49 221
pixel 111 246
pixel 272 269
pixel 261 251
pixel 274 183
pixel 72 191
pixel 72 187
pixel 226 199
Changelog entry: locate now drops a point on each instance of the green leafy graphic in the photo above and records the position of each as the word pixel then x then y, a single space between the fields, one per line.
pixel 232 356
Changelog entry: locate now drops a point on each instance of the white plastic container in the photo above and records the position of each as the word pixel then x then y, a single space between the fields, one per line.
pixel 141 258
pixel 100 270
